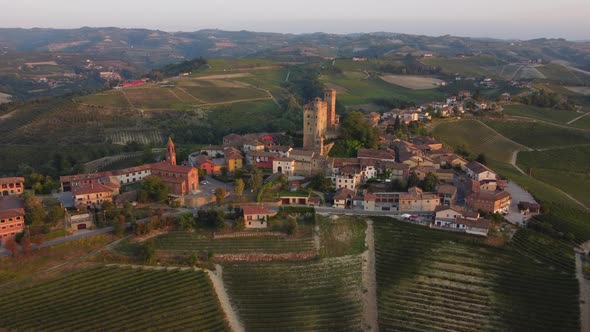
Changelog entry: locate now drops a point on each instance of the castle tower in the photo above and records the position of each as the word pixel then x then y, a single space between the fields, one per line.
pixel 314 125
pixel 330 99
pixel 170 152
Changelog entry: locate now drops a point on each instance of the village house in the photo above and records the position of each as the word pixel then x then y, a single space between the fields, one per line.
pixel 253 145
pixel 348 177
pixel 80 221
pixel 459 220
pixel 295 198
pixel 415 200
pixel 284 166
pixel 383 155
pixel 11 186
pixel 343 198
pixel 479 172
pixel 373 118
pixel 261 159
pixel 233 159
pixel 209 165
pixel 12 217
pixel 447 194
pixel 93 194
pixel 213 151
pixel 487 201
pixel 282 150
pixel 446 175
pixel 256 216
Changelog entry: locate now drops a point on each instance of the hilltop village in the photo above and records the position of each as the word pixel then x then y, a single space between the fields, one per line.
pixel 415 179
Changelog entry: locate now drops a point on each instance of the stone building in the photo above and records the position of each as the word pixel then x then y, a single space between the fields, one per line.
pixel 319 117
pixel 11 186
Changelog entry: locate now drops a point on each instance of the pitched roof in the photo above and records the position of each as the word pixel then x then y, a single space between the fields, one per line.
pixel 91 189
pixel 12 180
pixel 477 168
pixel 255 209
pixel 303 153
pixel 446 189
pixel 343 193
pixel 375 154
pixel 479 223
pixel 166 167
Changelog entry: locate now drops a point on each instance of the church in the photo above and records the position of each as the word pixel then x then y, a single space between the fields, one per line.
pixel 181 180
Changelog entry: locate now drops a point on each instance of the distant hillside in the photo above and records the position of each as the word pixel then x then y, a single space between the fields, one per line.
pixel 154 48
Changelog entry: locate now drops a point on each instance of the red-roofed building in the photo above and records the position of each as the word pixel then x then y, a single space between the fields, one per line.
pixel 181 180
pixel 94 193
pixel 256 216
pixel 12 217
pixel 11 186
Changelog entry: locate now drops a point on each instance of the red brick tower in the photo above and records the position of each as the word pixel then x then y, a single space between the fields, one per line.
pixel 171 152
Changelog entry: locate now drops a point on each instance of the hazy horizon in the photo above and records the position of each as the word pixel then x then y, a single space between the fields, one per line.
pixel 502 19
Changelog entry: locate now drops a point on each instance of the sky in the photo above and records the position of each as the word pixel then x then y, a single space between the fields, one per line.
pixel 520 19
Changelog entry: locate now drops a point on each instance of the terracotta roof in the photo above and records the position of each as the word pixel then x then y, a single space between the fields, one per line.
pixel 91 189
pixel 343 193
pixel 495 196
pixel 284 159
pixel 255 209
pixel 166 167
pixel 303 153
pixel 262 154
pixel 375 154
pixel 446 189
pixel 445 171
pixel 12 180
pixel 203 159
pixel 12 213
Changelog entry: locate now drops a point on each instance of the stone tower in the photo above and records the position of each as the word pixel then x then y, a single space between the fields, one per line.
pixel 170 152
pixel 330 98
pixel 315 125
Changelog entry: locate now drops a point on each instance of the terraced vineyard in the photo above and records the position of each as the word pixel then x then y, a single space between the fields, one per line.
pixel 191 242
pixel 323 295
pixel 110 298
pixel 477 138
pixel 434 281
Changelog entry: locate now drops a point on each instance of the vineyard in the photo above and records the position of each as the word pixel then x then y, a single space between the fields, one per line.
pixel 190 242
pixel 433 281
pixel 324 295
pixel 147 136
pixel 477 138
pixel 111 298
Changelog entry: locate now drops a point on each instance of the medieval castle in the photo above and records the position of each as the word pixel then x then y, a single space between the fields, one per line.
pixel 319 121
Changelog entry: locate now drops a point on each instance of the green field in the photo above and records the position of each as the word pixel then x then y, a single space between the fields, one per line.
pixel 323 295
pixel 545 114
pixel 191 242
pixel 574 159
pixel 110 298
pixel 154 98
pixel 224 65
pixel 478 66
pixel 342 237
pixel 219 95
pixel 476 137
pixel 252 116
pixel 539 135
pixel 112 98
pixel 561 74
pixel 437 281
pixel 360 90
pixel 583 123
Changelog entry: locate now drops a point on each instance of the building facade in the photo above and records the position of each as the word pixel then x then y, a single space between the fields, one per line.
pixel 11 186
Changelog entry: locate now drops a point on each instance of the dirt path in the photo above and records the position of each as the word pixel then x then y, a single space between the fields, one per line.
pixel 506 138
pixel 235 101
pixel 513 161
pixel 578 118
pixel 127 98
pixel 233 319
pixel 584 295
pixel 370 313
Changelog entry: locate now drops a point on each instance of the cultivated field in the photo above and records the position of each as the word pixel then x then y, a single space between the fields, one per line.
pixel 412 82
pixel 112 98
pixel 225 94
pixel 153 98
pixel 148 136
pixel 545 114
pixel 583 90
pixel 111 298
pixel 191 242
pixel 478 66
pixel 437 281
pixel 539 135
pixel 477 138
pixel 363 90
pixel 323 295
pixel 564 75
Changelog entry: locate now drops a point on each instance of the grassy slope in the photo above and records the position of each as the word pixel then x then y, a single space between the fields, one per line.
pixel 482 65
pixel 539 135
pixel 363 91
pixel 546 114
pixel 433 280
pixel 476 138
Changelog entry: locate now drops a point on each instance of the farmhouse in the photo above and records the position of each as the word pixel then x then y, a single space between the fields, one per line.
pixel 256 216
pixel 12 217
pixel 11 186
pixel 93 194
pixel 493 202
pixel 479 172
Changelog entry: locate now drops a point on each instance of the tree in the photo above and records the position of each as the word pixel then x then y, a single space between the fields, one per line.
pixel 481 158
pixel 239 187
pixel 219 195
pixel 55 215
pixel 321 182
pixel 192 260
pixel 255 180
pixel 34 212
pixel 119 225
pixel 292 227
pixel 186 221
pixel 356 128
pixel 414 180
pixel 154 188
pixel 11 246
pixel 397 124
pixel 429 183
pixel 148 252
pixel 224 171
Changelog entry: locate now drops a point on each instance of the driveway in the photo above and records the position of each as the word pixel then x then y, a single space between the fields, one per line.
pixel 518 195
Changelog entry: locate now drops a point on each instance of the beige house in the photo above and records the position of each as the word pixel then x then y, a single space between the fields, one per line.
pixel 415 200
pixel 256 216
